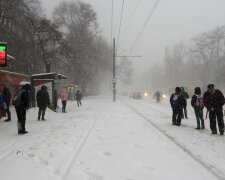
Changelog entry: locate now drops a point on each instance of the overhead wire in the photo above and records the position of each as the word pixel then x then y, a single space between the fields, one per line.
pixel 121 18
pixel 145 24
pixel 131 18
pixel 112 14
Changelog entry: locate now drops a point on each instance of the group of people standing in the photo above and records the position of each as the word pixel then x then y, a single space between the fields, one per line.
pixel 212 100
pixel 21 103
pixel 43 101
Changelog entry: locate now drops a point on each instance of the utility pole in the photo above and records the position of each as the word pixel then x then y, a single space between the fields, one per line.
pixel 114 67
pixel 114 70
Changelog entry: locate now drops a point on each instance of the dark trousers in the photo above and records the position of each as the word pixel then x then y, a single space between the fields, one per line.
pixel 79 102
pixel 63 106
pixel 21 115
pixel 158 99
pixel 41 113
pixel 177 114
pixel 199 117
pixel 213 115
pixel 184 111
pixel 7 111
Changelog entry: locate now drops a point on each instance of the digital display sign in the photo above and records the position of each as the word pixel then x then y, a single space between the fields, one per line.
pixel 3 54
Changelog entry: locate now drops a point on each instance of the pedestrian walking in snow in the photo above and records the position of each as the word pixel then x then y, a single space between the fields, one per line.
pixel 157 95
pixel 184 109
pixel 21 103
pixel 197 103
pixel 43 102
pixel 7 98
pixel 78 97
pixel 214 101
pixel 1 103
pixel 64 97
pixel 176 102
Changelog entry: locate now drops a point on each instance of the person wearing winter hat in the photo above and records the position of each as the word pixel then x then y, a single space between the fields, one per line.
pixel 22 99
pixel 214 101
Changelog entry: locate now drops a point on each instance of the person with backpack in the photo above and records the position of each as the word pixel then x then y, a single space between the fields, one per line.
pixel 78 97
pixel 214 101
pixel 7 98
pixel 43 101
pixel 21 103
pixel 184 109
pixel 197 103
pixel 176 102
pixel 64 97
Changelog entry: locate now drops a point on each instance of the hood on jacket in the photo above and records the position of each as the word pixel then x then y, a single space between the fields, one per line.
pixel 177 90
pixel 26 87
pixel 64 91
pixel 44 88
pixel 5 89
pixel 198 90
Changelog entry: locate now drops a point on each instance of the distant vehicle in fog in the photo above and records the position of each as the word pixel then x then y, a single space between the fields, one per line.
pixel 137 95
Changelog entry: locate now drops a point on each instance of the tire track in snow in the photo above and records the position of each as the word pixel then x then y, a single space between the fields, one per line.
pixel 212 169
pixel 75 153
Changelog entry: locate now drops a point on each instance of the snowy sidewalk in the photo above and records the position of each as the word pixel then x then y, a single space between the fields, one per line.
pixel 101 140
pixel 206 148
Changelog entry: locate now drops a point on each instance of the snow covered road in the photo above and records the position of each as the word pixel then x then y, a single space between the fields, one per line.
pixel 103 140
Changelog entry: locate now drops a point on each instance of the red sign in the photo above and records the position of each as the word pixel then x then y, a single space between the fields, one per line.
pixel 2 57
pixel 3 53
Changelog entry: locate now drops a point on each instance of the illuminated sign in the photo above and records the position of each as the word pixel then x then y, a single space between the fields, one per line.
pixel 3 54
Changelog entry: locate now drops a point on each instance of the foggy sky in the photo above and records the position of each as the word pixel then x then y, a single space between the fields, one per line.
pixel 173 21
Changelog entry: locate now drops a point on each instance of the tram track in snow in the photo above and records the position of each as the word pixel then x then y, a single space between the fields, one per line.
pixel 65 169
pixel 163 113
pixel 212 169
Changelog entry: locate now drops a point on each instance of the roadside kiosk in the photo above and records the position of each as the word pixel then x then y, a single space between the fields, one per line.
pixel 52 81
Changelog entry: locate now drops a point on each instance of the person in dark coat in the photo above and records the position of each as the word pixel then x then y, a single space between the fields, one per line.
pixel 78 97
pixel 22 107
pixel 197 103
pixel 157 95
pixel 176 102
pixel 214 101
pixel 7 98
pixel 186 96
pixel 1 103
pixel 43 102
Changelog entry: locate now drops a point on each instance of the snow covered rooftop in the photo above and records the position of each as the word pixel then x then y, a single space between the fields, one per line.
pixel 24 83
pixel 51 75
pixel 15 74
